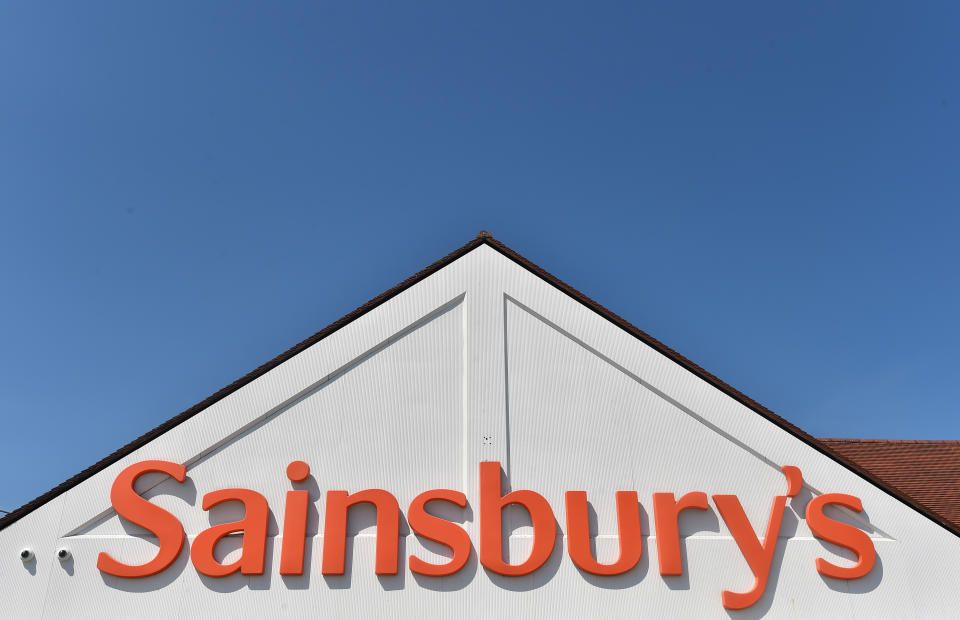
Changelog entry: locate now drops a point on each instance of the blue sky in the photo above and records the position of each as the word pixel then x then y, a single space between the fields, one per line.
pixel 187 190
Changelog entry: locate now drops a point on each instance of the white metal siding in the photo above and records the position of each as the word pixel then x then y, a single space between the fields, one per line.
pixel 481 361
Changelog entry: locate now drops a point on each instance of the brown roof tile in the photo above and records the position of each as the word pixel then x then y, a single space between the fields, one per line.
pixel 928 471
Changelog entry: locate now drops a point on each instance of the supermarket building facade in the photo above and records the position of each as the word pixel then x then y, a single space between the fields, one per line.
pixel 484 441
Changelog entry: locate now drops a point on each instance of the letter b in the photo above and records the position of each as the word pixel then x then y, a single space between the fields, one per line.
pixel 491 524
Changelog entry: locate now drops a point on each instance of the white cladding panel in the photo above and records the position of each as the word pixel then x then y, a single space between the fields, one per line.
pixel 481 361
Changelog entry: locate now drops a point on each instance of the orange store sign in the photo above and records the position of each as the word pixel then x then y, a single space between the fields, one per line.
pixel 666 508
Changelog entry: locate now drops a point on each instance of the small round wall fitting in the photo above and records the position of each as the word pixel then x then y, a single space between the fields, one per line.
pixel 26 554
pixel 63 554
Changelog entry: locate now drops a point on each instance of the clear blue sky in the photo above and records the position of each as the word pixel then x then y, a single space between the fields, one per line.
pixel 187 189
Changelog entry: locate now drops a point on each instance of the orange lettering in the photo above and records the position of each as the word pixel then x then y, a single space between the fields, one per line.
pixel 758 556
pixel 666 514
pixel 295 522
pixel 254 528
pixel 628 526
pixel 135 509
pixel 335 530
pixel 841 534
pixel 439 530
pixel 491 524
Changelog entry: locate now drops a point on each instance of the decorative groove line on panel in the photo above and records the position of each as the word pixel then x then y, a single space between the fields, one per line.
pixel 506 387
pixel 674 403
pixel 464 406
pixel 276 411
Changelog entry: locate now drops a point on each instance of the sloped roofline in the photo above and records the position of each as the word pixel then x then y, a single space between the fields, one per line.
pixel 921 442
pixel 482 238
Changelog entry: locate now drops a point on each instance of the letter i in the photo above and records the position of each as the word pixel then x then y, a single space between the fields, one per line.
pixel 295 522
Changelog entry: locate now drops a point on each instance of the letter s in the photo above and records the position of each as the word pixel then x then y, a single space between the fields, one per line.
pixel 439 530
pixel 139 511
pixel 841 534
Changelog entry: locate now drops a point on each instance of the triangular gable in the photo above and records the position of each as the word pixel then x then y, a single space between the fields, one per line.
pixel 482 239
pixel 485 358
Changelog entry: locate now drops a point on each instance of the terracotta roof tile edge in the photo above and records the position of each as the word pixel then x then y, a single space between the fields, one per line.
pixel 924 442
